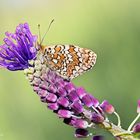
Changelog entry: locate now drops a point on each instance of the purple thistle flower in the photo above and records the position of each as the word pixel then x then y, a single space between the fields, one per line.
pixel 18 48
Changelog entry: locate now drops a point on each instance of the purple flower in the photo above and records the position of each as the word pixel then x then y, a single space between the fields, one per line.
pixel 107 107
pixel 98 138
pixel 81 133
pixel 97 118
pixel 53 106
pixel 77 107
pixel 73 104
pixel 18 48
pixel 90 101
pixel 136 128
pixel 79 123
pixel 64 113
pixel 63 101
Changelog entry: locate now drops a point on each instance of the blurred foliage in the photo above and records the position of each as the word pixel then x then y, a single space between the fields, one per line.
pixel 110 28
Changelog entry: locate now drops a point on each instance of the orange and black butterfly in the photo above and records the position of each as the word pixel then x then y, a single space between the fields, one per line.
pixel 69 61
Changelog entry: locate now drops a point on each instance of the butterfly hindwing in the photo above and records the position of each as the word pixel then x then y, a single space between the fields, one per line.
pixel 69 61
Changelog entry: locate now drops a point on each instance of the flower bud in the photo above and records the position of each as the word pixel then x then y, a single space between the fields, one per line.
pixel 77 107
pixel 81 133
pixel 51 97
pixel 63 101
pixel 53 106
pixel 73 96
pixel 81 92
pixel 107 108
pixel 64 113
pixel 136 128
pixel 89 100
pixel 79 123
pixel 97 118
pixel 98 138
pixel 69 87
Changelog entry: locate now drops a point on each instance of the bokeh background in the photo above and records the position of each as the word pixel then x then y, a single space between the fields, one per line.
pixel 109 27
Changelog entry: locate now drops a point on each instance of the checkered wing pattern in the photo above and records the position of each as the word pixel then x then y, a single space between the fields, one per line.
pixel 69 61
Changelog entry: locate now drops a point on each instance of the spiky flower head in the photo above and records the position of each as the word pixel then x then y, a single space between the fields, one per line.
pixel 18 48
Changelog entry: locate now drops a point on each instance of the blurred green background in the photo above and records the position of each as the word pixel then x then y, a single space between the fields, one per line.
pixel 111 28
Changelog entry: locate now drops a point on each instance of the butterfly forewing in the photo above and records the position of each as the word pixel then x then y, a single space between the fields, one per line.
pixel 69 61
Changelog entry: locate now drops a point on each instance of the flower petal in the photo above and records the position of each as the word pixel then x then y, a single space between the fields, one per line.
pixel 18 48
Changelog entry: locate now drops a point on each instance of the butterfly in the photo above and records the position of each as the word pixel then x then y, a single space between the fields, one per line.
pixel 69 61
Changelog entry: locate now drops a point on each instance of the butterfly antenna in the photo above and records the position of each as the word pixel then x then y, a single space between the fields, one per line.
pixel 39 33
pixel 46 31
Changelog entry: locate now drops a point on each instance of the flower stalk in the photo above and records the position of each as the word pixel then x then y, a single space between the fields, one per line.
pixel 119 119
pixel 133 122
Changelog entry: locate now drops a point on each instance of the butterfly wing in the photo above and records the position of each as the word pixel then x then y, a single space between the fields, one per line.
pixel 69 61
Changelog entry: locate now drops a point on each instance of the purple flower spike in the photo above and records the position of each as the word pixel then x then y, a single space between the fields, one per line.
pixel 64 113
pixel 136 128
pixel 138 107
pixel 107 108
pixel 81 133
pixel 18 48
pixel 73 104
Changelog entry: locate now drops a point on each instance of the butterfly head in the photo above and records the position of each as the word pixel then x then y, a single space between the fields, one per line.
pixel 39 47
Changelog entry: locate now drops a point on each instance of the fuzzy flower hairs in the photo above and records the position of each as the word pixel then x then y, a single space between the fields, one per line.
pixel 74 105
